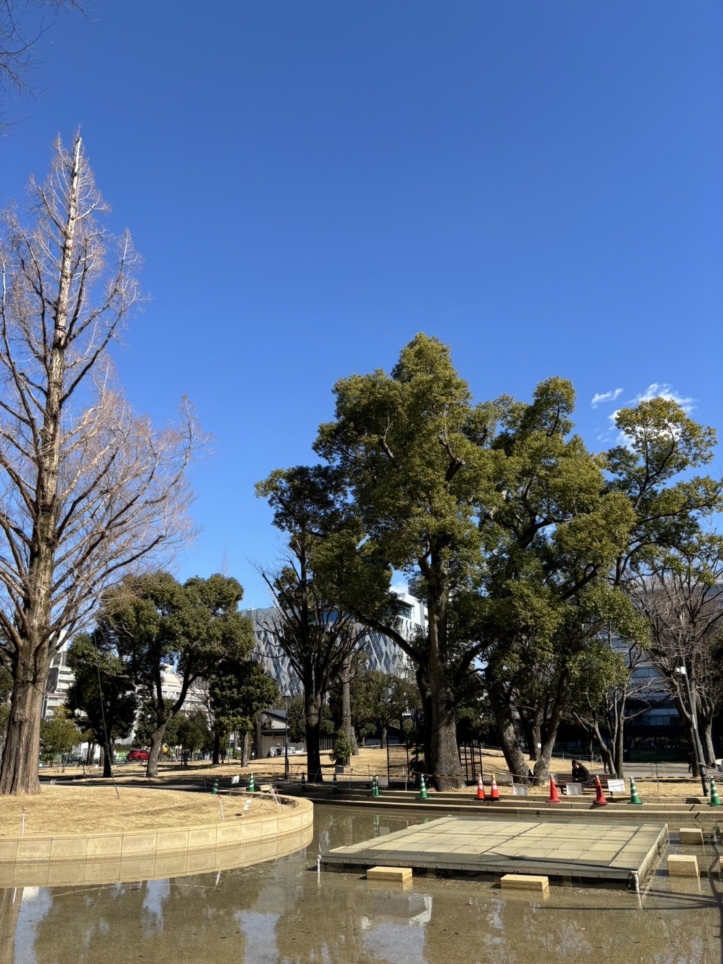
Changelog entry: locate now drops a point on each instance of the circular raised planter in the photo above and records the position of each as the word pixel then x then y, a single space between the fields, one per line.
pixel 116 856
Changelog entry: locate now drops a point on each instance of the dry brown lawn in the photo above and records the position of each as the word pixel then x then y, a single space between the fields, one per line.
pixel 83 809
pixel 370 761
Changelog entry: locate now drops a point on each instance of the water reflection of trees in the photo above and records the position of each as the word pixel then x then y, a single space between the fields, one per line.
pixel 186 919
pixel 284 912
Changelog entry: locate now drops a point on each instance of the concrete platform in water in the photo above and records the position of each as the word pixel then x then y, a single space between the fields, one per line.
pixel 475 845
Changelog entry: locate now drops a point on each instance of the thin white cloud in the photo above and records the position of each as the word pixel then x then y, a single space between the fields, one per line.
pixel 656 390
pixel 663 390
pixel 601 397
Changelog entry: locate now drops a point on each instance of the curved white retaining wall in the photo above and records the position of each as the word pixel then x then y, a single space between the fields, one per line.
pixel 143 854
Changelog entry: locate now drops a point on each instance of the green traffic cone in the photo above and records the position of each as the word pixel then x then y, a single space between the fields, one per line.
pixel 334 785
pixel 423 795
pixel 714 798
pixel 252 786
pixel 214 788
pixel 634 795
pixel 303 783
pixel 375 787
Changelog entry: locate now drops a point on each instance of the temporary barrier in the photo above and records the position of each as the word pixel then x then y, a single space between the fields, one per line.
pixel 599 800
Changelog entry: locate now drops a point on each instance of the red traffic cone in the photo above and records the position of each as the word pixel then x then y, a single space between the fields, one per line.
pixel 494 792
pixel 554 795
pixel 480 788
pixel 599 800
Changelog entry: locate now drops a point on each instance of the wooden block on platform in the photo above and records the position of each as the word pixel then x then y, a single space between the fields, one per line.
pixel 691 835
pixel 399 875
pixel 682 865
pixel 537 885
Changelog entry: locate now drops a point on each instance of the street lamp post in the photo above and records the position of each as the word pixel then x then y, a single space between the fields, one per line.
pixel 287 700
pixel 697 746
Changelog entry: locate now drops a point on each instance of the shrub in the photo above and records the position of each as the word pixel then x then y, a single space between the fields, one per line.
pixel 343 749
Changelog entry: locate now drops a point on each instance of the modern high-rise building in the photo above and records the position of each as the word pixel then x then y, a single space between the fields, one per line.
pixel 383 654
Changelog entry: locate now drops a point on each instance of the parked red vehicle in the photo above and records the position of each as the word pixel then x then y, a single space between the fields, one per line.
pixel 139 756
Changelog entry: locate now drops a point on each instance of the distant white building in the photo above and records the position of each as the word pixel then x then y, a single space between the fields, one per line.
pixel 61 677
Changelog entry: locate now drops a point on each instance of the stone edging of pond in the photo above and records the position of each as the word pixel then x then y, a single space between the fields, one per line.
pixel 67 859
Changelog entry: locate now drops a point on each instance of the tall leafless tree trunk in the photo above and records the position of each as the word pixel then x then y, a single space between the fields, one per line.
pixel 87 487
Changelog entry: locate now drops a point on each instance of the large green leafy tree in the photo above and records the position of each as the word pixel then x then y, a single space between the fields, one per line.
pixel 548 545
pixel 102 691
pixel 402 443
pixel 239 690
pixel 152 621
pixel 503 518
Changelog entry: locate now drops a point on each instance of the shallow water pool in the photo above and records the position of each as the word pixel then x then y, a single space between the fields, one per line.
pixel 285 912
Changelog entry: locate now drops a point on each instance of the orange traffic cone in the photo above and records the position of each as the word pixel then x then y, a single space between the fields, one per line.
pixel 480 788
pixel 494 792
pixel 554 795
pixel 599 800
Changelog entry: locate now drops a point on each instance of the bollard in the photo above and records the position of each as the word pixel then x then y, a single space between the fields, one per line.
pixel 423 795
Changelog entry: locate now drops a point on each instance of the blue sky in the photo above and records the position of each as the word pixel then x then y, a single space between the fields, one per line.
pixel 537 184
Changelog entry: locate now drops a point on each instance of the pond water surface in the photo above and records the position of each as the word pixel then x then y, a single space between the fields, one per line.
pixel 284 911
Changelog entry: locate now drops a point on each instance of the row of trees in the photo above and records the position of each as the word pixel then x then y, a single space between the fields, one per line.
pixel 527 549
pixel 145 626
pixel 148 624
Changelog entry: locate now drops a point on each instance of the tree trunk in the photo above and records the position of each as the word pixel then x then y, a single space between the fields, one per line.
pixel 312 708
pixel 156 747
pixel 345 676
pixel 384 737
pixel 90 754
pixel 21 754
pixel 10 903
pixel 706 738
pixel 426 700
pixel 542 765
pixel 605 751
pixel 619 751
pixel 216 749
pixel 446 765
pixel 108 761
pixel 515 758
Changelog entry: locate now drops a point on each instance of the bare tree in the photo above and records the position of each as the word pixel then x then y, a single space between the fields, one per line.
pixel 87 487
pixel 606 694
pixel 318 638
pixel 683 603
pixel 22 24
